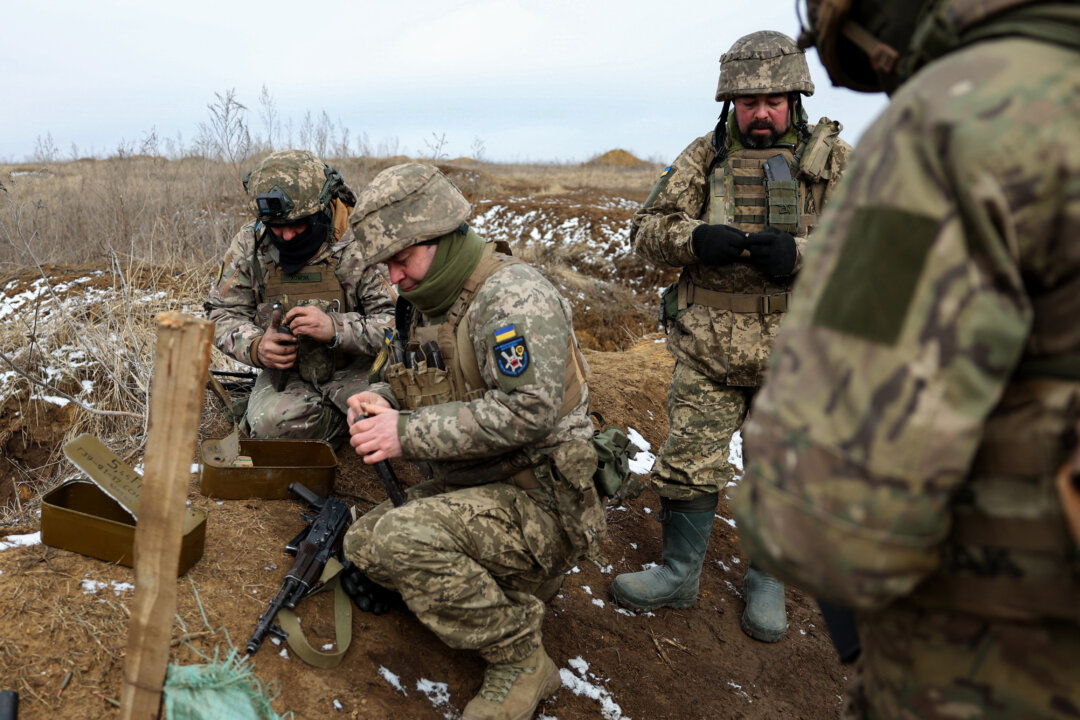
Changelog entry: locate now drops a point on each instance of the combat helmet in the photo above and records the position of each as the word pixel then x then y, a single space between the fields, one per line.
pixel 874 45
pixel 406 205
pixel 290 185
pixel 763 63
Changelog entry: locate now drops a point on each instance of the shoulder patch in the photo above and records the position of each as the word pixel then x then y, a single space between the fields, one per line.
pixel 511 352
pixel 661 183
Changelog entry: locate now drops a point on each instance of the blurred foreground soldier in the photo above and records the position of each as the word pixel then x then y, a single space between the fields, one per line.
pixel 485 387
pixel 334 306
pixel 733 211
pixel 926 388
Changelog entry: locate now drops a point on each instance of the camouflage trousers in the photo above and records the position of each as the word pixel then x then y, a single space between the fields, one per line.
pixel 301 411
pixel 466 563
pixel 702 417
pixel 918 664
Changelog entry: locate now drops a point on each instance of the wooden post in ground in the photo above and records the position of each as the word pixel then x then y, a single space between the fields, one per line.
pixel 181 361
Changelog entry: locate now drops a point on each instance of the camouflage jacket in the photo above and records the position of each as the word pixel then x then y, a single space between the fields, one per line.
pixel 725 346
pixel 236 294
pixel 516 411
pixel 923 386
pixel 519 420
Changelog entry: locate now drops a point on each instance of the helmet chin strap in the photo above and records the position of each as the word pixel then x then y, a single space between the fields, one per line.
pixel 720 137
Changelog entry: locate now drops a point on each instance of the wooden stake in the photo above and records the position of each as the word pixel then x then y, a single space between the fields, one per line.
pixel 181 361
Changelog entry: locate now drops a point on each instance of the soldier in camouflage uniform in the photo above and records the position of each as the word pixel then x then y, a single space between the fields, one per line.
pixel 485 387
pixel 926 387
pixel 733 211
pixel 300 252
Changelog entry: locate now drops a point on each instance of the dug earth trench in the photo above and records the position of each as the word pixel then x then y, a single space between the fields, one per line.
pixel 64 617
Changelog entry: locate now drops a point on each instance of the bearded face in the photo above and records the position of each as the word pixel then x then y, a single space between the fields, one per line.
pixel 762 119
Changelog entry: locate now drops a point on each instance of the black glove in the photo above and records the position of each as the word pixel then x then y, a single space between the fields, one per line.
pixel 717 244
pixel 368 595
pixel 773 251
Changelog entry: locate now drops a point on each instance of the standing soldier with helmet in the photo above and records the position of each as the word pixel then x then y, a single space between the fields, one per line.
pixel 295 297
pixel 733 211
pixel 485 388
pixel 907 454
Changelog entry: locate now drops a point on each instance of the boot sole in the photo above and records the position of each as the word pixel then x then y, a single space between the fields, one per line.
pixel 768 636
pixel 675 604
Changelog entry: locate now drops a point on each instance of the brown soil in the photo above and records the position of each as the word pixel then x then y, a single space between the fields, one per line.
pixel 693 663
pixel 618 158
pixel 30 433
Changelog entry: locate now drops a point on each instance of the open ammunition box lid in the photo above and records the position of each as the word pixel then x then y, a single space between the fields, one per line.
pixel 97 517
pixel 235 469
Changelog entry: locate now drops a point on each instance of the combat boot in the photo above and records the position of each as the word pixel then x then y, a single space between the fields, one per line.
pixel 765 616
pixel 686 528
pixel 511 691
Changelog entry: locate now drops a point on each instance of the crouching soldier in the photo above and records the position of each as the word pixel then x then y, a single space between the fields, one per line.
pixel 300 257
pixel 488 392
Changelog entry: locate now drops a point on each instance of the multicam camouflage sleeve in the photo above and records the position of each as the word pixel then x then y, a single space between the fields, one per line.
pixel 661 229
pixel 360 331
pixel 520 329
pixel 907 323
pixel 231 303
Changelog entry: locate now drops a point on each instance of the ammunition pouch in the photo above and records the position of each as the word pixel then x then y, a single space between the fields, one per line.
pixel 782 201
pixel 669 305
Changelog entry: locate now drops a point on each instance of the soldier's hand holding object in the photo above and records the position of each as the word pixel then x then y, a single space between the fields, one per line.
pixel 773 251
pixel 375 437
pixel 276 350
pixel 717 244
pixel 312 322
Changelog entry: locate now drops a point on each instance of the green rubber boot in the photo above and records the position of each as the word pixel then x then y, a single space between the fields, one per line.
pixel 765 617
pixel 686 528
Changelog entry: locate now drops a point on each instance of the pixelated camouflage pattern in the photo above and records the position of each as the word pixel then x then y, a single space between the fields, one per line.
pixel 301 176
pixel 882 431
pixel 765 62
pixel 466 559
pixel 236 295
pixel 515 411
pixel 702 337
pixel 405 205
pixel 702 417
pixel 466 562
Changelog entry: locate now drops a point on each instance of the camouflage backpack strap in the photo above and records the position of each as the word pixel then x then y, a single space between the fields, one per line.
pixel 454 334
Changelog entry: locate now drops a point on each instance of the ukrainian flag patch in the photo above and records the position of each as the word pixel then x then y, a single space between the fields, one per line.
pixel 511 355
pixel 505 333
pixel 666 171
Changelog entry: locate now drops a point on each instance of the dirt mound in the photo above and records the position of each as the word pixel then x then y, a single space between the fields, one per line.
pixel 693 663
pixel 617 158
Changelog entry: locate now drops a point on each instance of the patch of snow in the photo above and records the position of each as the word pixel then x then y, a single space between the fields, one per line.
pixel 392 679
pixel 587 589
pixel 438 694
pixel 582 685
pixel 735 452
pixel 637 439
pixel 27 540
pixel 598 602
pixel 338 705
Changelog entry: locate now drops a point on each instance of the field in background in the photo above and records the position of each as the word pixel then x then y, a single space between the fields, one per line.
pixel 92 250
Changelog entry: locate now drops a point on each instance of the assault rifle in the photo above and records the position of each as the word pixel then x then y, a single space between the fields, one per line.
pixel 313 547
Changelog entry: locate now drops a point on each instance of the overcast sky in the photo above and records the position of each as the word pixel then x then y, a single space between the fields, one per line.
pixel 550 80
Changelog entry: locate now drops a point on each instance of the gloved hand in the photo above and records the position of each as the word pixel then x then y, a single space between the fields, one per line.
pixel 773 251
pixel 367 594
pixel 717 244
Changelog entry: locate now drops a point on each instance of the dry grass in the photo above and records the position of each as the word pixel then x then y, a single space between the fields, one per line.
pixel 100 247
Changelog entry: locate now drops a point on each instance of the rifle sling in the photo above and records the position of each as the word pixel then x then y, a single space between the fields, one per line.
pixel 342 622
